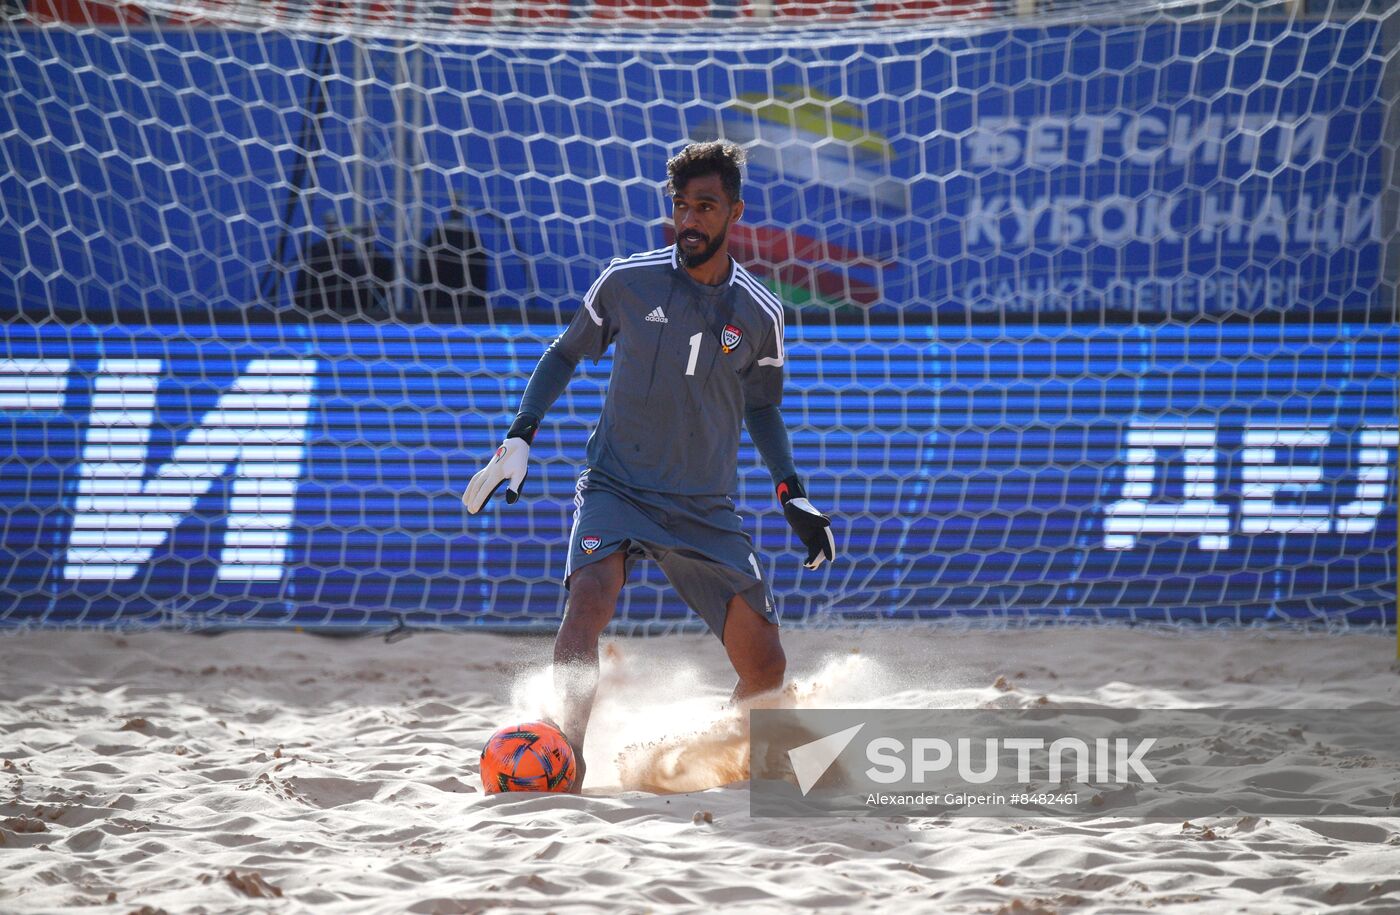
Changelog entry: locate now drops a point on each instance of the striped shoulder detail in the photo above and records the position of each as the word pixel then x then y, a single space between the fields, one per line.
pixel 646 259
pixel 766 300
pixel 644 255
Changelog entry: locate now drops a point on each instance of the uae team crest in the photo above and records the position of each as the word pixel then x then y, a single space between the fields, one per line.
pixel 730 337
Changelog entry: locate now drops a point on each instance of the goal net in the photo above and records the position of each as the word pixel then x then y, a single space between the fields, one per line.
pixel 1092 306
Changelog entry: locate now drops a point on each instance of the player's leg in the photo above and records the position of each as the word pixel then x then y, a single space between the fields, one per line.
pixel 711 563
pixel 754 649
pixel 593 593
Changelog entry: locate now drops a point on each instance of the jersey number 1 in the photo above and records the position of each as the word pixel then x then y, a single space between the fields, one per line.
pixel 694 353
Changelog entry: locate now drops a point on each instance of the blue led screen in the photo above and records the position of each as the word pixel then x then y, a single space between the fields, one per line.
pixel 264 478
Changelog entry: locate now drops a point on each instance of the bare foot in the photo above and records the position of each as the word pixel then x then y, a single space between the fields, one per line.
pixel 580 767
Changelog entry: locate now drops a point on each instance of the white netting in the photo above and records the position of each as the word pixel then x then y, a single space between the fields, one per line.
pixel 1093 314
pixel 703 22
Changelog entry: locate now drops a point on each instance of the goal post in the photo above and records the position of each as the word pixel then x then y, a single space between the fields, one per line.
pixel 1092 307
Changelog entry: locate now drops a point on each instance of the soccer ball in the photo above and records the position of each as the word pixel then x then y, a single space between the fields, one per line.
pixel 532 756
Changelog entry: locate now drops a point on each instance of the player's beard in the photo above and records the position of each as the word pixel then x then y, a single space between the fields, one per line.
pixel 704 254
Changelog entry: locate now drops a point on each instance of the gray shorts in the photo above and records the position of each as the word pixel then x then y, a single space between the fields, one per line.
pixel 698 541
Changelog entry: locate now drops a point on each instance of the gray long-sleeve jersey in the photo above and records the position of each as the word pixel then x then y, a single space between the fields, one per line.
pixel 690 362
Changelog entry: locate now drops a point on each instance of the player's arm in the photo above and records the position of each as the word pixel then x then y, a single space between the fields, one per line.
pixel 511 462
pixel 770 437
pixel 763 392
pixel 588 334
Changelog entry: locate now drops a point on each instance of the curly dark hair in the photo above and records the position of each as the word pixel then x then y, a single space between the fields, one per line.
pixel 714 157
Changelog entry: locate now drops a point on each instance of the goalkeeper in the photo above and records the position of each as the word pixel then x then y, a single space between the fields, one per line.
pixel 699 348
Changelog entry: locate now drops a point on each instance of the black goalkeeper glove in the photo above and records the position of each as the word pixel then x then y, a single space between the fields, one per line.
pixel 812 527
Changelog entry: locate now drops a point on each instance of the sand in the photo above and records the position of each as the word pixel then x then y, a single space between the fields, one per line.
pixel 281 772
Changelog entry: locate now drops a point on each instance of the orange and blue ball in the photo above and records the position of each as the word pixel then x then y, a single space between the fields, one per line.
pixel 533 756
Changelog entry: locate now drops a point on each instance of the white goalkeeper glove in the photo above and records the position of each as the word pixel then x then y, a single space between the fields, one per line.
pixel 509 465
pixel 811 526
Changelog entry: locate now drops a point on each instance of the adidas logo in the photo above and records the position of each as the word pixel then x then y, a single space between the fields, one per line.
pixel 658 316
